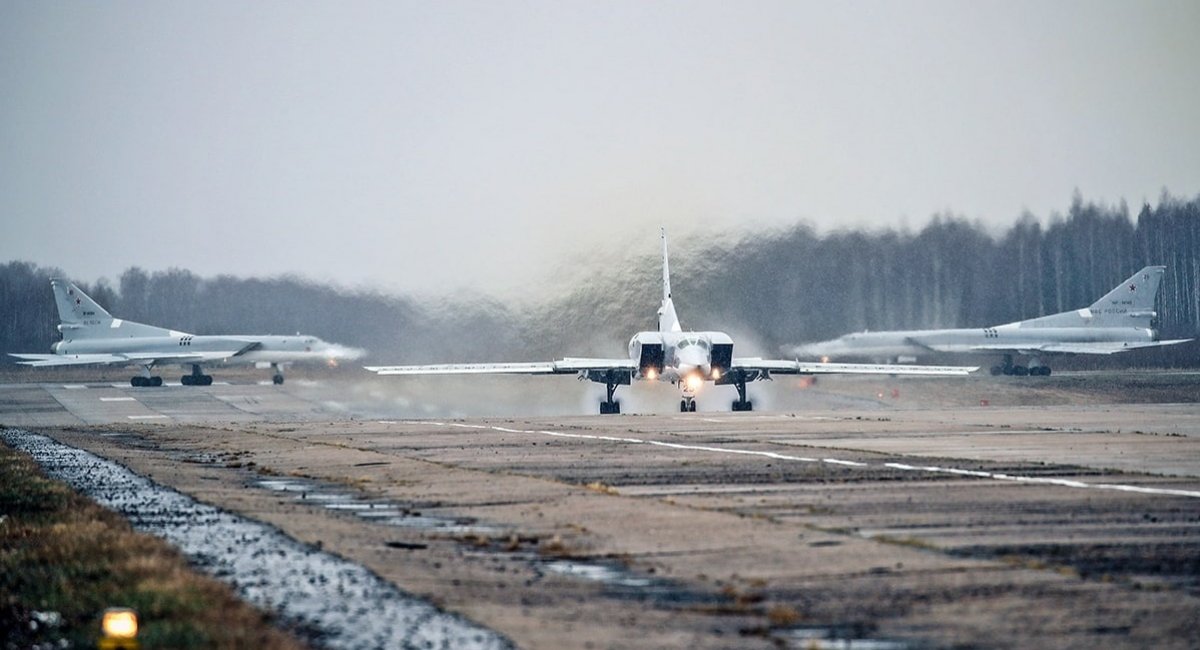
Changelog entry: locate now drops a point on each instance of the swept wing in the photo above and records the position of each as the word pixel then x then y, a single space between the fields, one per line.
pixel 786 367
pixel 1099 347
pixel 569 365
pixel 131 358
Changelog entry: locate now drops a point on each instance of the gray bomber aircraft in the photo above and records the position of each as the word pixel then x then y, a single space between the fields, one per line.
pixel 686 358
pixel 91 336
pixel 1120 321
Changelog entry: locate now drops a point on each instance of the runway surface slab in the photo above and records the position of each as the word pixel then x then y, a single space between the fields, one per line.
pixel 1062 525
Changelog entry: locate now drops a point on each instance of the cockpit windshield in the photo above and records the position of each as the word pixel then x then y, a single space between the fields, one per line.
pixel 693 340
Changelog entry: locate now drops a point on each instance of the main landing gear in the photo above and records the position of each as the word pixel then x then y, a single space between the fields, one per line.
pixel 738 379
pixel 610 406
pixel 687 404
pixel 277 379
pixel 611 379
pixel 145 381
pixel 1035 368
pixel 197 378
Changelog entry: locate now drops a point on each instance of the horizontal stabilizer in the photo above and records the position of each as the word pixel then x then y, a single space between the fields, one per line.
pixel 47 360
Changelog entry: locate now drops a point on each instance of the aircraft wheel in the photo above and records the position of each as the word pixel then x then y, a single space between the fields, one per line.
pixel 610 408
pixel 692 407
pixel 186 380
pixel 206 381
pixel 1020 371
pixel 137 382
pixel 277 380
pixel 997 370
pixel 156 381
pixel 1045 371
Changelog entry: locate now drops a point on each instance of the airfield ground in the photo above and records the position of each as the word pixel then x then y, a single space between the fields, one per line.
pixel 1057 512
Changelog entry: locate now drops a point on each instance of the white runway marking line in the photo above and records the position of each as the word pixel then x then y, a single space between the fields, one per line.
pixel 75 386
pixel 118 399
pixel 144 417
pixel 1045 480
pixel 850 463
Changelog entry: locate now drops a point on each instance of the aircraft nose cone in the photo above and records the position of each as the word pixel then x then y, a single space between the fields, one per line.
pixel 693 362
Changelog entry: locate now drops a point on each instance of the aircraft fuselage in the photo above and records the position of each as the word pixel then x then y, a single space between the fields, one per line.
pixel 913 343
pixel 267 348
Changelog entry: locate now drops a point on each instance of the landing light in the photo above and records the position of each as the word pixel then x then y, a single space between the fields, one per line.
pixel 824 359
pixel 694 382
pixel 716 373
pixel 120 627
pixel 651 375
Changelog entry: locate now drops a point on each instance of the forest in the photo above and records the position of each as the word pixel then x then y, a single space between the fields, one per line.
pixel 769 289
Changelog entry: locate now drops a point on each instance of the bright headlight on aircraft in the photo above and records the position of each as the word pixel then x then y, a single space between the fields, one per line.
pixel 825 359
pixel 716 373
pixel 694 382
pixel 651 374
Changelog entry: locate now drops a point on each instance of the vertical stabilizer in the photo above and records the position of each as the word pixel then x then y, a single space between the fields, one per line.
pixel 81 318
pixel 77 312
pixel 1131 303
pixel 668 321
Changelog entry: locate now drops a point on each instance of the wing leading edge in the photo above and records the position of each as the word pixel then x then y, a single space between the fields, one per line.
pixel 786 367
pixel 1099 347
pixel 561 367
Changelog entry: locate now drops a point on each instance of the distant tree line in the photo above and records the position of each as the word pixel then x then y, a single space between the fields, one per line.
pixel 772 288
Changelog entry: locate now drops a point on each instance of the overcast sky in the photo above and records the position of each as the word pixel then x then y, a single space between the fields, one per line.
pixel 444 145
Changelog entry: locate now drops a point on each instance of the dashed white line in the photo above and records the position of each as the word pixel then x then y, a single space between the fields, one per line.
pixel 144 417
pixel 851 463
pixel 118 399
pixel 75 386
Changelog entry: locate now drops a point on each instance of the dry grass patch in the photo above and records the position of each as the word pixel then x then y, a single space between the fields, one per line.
pixel 61 553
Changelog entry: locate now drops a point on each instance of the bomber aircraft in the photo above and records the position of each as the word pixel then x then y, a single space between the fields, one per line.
pixel 1124 319
pixel 688 359
pixel 91 336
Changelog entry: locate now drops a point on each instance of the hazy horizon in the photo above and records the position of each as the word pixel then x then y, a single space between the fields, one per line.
pixel 484 147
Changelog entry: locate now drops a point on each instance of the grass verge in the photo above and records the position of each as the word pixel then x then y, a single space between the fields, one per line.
pixel 64 559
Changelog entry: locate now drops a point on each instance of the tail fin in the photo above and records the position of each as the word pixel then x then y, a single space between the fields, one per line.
pixel 1131 303
pixel 668 321
pixel 77 311
pixel 81 318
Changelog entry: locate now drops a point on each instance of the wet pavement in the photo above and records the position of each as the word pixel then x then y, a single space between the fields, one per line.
pixel 1073 524
pixel 340 603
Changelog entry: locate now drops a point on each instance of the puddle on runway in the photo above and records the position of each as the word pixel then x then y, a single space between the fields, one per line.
pixel 386 513
pixel 596 573
pixel 833 638
pixel 345 604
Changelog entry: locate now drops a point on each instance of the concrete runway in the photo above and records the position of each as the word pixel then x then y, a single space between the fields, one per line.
pixel 923 521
